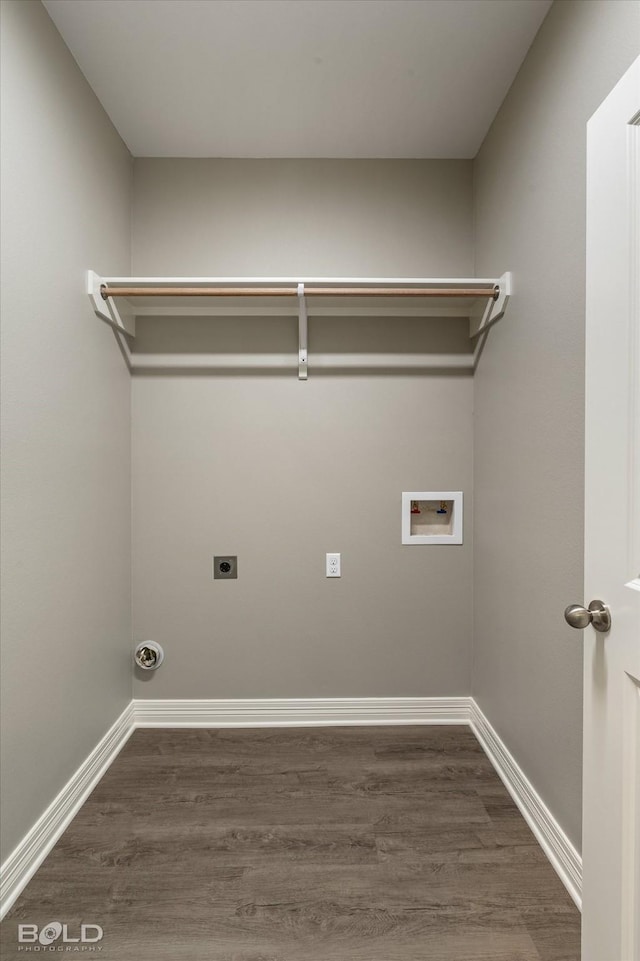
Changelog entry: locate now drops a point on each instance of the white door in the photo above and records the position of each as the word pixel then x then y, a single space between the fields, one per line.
pixel 611 834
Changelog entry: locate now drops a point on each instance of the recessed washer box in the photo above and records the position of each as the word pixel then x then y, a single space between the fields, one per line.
pixel 432 517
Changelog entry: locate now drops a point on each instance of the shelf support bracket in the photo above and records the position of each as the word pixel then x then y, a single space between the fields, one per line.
pixel 106 309
pixel 302 334
pixel 479 323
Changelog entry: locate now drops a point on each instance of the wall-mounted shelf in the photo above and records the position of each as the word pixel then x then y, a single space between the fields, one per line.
pixel 120 300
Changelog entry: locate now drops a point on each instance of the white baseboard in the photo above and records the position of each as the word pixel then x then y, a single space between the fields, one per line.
pixel 300 712
pixel 563 856
pixel 25 860
pixel 18 869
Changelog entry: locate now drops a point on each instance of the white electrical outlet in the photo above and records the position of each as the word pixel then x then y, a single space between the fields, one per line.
pixel 333 565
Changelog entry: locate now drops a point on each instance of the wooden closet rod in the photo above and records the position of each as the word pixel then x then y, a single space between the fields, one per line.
pixel 491 293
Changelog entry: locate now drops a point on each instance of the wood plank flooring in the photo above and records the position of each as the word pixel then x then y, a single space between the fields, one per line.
pixel 308 844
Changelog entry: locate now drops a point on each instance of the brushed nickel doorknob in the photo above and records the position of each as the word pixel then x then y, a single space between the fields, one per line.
pixel 597 614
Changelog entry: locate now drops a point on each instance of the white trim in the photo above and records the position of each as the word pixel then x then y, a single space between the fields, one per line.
pixel 25 860
pixel 563 856
pixel 22 864
pixel 301 712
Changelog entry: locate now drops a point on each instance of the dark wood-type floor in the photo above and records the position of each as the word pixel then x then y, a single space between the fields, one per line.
pixel 309 844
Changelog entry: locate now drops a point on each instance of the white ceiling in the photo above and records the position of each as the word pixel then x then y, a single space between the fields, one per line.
pixel 300 78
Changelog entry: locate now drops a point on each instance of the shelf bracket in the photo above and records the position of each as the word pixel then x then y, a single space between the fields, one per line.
pixel 302 334
pixel 494 310
pixel 106 309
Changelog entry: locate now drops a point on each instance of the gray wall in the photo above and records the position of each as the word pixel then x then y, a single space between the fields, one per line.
pixel 529 394
pixel 280 472
pixel 65 422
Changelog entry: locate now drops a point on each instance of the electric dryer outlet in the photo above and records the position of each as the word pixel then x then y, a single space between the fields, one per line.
pixel 225 567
